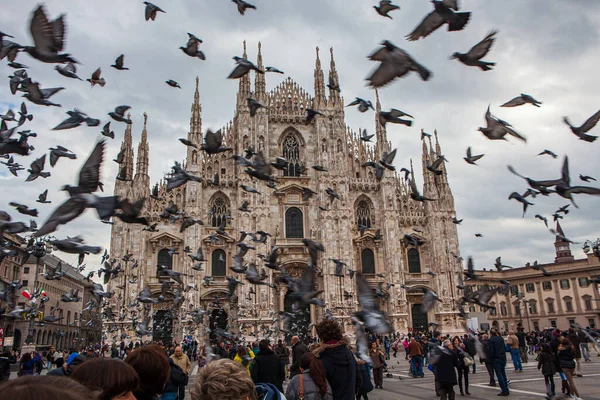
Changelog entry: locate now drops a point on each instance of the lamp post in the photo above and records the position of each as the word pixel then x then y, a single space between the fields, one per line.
pixel 39 250
pixel 594 246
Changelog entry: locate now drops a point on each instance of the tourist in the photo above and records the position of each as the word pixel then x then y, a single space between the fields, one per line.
pixel 515 353
pixel 244 358
pixel 486 360
pixel 522 339
pixel 338 362
pixel 463 369
pixel 378 359
pixel 387 346
pixel 222 351
pixel 547 364
pixel 73 362
pixel 575 342
pixel 470 348
pixel 5 363
pixel 178 379
pixel 115 379
pixel 59 358
pixel 46 388
pixel 311 383
pixel 298 349
pixel 50 358
pixel 223 380
pixel 497 355
pixel 26 365
pixel 415 351
pixel 445 373
pixel 366 385
pixel 267 366
pixel 566 359
pixel 152 366
pixel 182 361
pixel 283 352
pixel 405 345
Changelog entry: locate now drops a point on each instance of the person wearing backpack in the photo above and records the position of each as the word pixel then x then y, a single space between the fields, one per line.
pixel 177 378
pixel 547 364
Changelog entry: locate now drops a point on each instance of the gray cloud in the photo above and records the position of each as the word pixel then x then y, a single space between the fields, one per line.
pixel 547 49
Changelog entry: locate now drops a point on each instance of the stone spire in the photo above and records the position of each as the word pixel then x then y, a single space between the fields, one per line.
pixel 319 99
pixel 244 88
pixel 195 133
pixel 382 144
pixel 334 96
pixel 259 80
pixel 141 168
pixel 127 151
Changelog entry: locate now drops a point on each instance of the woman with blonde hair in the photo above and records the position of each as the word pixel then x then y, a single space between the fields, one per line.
pixel 223 380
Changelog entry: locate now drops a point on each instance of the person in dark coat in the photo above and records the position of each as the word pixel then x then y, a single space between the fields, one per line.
pixel 338 361
pixel 574 338
pixel 469 343
pixel 445 371
pixel 488 363
pixel 298 349
pixel 177 379
pixel 366 383
pixel 69 366
pixel 222 351
pixel 497 355
pixel 267 366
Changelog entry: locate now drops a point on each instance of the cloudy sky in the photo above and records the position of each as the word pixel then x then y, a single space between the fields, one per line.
pixel 550 50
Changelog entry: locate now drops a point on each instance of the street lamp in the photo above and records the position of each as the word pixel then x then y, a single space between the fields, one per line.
pixel 594 246
pixel 38 250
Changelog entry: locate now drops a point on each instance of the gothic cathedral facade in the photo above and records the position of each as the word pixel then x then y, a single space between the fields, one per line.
pixel 279 131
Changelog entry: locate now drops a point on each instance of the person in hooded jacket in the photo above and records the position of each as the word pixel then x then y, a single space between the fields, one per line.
pixel 73 362
pixel 366 385
pixel 311 383
pixel 267 367
pixel 445 371
pixel 338 361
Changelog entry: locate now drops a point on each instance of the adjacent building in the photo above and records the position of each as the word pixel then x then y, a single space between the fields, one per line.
pixel 10 271
pixel 364 228
pixel 566 297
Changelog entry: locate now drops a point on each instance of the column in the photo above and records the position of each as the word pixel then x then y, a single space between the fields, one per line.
pixel 574 282
pixel 557 295
pixel 538 288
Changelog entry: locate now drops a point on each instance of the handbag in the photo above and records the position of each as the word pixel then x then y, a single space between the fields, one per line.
pixel 301 387
pixel 468 361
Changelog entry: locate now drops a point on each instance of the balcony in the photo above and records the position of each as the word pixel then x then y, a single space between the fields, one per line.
pixel 417 278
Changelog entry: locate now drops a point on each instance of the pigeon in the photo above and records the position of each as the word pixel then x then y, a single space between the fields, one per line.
pixel 179 177
pixel 563 185
pixel 60 151
pixel 76 118
pixel 68 70
pixel 188 143
pixel 370 315
pixel 213 143
pixel 17 65
pixel 75 246
pixel 119 114
pixel 497 129
pixel 96 79
pixel 172 83
pixel 40 96
pixel 333 85
pixel 152 10
pixel 107 132
pixel 9 116
pixel 49 38
pixel 393 116
pixel 477 52
pixel 550 153
pixel 394 63
pixel 538 216
pixel 456 221
pixel 499 266
pixel 42 198
pixel 586 178
pixel 520 199
pixel 442 14
pixel 364 136
pixel 274 70
pixel 313 249
pixel 581 132
pixel 249 189
pixel 242 6
pixel 471 158
pixel 24 116
pixel 119 63
pixel 23 209
pixel 254 105
pixel 387 159
pixel 435 166
pixel 191 48
pixel 415 195
pixel 37 169
pixel 363 105
pixel 385 6
pixel 310 115
pixel 520 100
pixel 244 66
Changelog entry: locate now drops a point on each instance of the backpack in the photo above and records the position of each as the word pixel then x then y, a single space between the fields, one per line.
pixel 178 376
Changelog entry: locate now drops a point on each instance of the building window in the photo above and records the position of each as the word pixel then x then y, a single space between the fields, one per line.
pixel 550 305
pixel 532 307
pixel 503 310
pixel 26 270
pixel 565 284
pixel 587 302
pixel 493 312
pixel 547 285
pixel 536 326
pixel 553 323
pixel 592 323
pixel 571 322
pixel 517 309
pixel 68 317
pixel 25 282
pixel 294 224
pixel 514 289
pixel 291 152
pixel 218 262
pixel 569 305
pixel 414 261
pixel 363 215
pixel 471 309
pixel 583 282
pixel 218 211
pixel 165 260
pixel 530 287
pixel 367 258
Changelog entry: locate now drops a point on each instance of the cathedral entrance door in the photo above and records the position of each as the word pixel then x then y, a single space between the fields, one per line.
pixel 218 320
pixel 162 326
pixel 302 321
pixel 419 318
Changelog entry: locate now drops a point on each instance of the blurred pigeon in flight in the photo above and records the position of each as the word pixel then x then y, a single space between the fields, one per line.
pixel 48 37
pixel 172 83
pixel 37 169
pixel 385 6
pixel 60 151
pixel 244 66
pixel 96 79
pixel 69 70
pixel 119 62
pixel 119 114
pixel 471 158
pixel 497 129
pixel 242 6
pixel 477 52
pixel 394 63
pixel 152 10
pixel 442 14
pixel 520 100
pixel 581 131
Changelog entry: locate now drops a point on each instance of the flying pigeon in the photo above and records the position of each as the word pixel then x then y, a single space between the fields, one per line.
pixel 394 63
pixel 119 63
pixel 520 100
pixel 581 132
pixel 385 6
pixel 443 13
pixel 151 10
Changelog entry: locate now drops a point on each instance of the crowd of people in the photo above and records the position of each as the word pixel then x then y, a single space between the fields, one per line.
pixel 324 369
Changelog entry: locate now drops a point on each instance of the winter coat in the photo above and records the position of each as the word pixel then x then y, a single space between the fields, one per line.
pixel 177 378
pixel 415 349
pixel 311 391
pixel 298 349
pixel 513 342
pixel 496 349
pixel 5 368
pixel 445 367
pixel 267 368
pixel 376 356
pixel 340 368
pixel 240 360
pixel 470 346
pixel 547 363
pixel 366 383
pixel 566 358
pixel 522 338
pixel 221 352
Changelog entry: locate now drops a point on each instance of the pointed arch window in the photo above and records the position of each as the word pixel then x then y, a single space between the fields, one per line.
pixel 291 152
pixel 219 263
pixel 294 223
pixel 164 259
pixel 414 261
pixel 364 216
pixel 218 209
pixel 367 262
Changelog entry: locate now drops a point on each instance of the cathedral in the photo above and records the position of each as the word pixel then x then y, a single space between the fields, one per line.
pixel 364 228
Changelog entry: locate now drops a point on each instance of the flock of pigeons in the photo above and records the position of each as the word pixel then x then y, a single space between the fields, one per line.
pixel 393 62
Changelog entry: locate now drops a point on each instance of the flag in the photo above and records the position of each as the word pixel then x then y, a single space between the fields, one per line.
pixel 26 293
